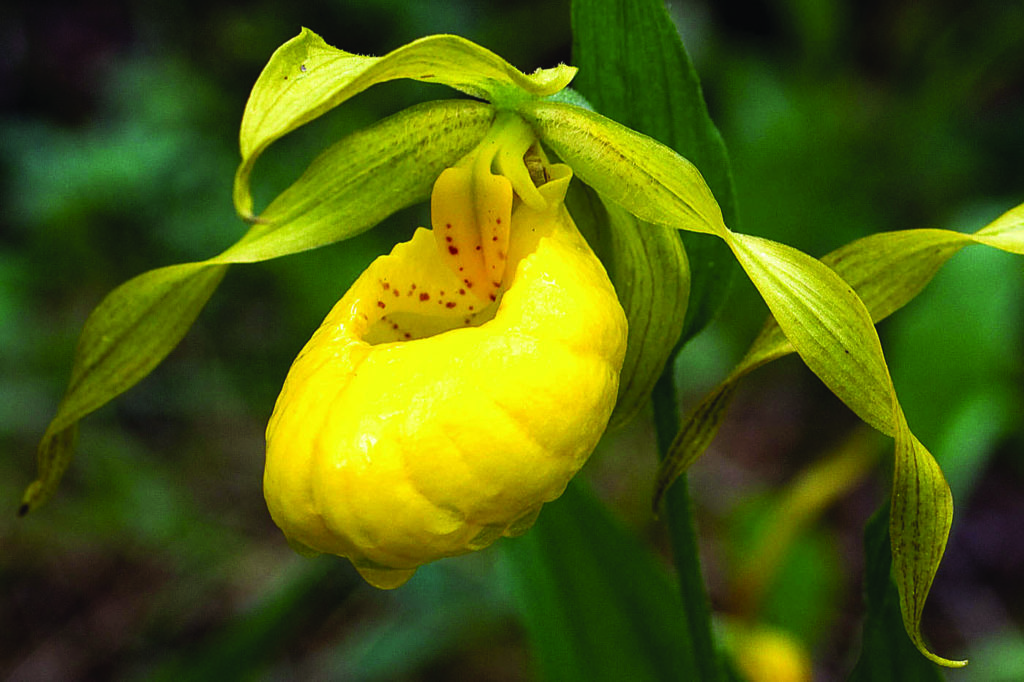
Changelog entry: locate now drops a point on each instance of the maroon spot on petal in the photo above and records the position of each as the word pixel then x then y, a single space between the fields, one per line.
pixel 498 221
pixel 449 304
pixel 453 250
pixel 462 292
pixel 493 297
pixel 408 335
pixel 396 292
pixel 386 286
pixel 494 238
pixel 497 284
pixel 380 304
pixel 394 326
pixel 424 296
pixel 478 247
pixel 448 239
pixel 448 226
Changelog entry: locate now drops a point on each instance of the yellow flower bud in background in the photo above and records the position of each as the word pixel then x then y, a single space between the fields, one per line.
pixel 457 386
pixel 768 654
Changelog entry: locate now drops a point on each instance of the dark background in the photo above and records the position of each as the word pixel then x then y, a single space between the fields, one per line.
pixel 118 142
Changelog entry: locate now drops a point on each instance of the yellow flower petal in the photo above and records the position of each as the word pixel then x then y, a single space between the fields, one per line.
pixel 421 422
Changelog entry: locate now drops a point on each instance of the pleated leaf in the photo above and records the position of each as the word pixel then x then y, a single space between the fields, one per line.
pixel 349 188
pixel 596 604
pixel 306 77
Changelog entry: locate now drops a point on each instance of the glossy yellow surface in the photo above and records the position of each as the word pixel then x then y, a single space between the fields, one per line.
pixel 423 420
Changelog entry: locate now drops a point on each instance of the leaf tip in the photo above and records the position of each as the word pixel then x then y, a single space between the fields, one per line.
pixel 914 632
pixel 939 660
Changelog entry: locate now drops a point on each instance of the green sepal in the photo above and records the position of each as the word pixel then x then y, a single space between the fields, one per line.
pixel 645 177
pixel 651 275
pixel 832 331
pixel 364 178
pixel 128 334
pixel 886 270
pixel 306 77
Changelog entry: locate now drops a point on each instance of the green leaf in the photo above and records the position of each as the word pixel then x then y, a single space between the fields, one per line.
pixel 445 609
pixel 886 653
pixel 306 77
pixel 363 179
pixel 595 603
pixel 650 85
pixel 301 597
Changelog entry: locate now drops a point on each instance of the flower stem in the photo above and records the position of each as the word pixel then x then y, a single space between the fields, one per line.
pixel 682 531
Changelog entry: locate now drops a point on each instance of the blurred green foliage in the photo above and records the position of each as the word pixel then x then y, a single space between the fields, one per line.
pixel 118 137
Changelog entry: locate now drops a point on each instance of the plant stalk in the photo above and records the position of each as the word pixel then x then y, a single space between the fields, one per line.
pixel 683 535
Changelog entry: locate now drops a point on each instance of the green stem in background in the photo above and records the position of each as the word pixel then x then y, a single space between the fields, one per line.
pixel 683 534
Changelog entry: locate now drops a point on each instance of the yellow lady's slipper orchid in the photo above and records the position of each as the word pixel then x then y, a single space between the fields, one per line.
pixel 459 384
pixel 466 376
